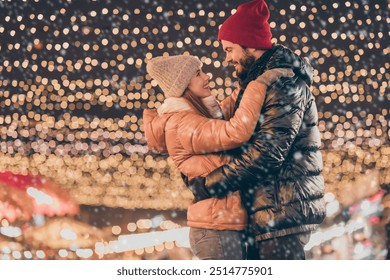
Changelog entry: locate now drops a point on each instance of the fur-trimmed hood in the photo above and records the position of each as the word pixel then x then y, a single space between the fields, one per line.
pixel 285 58
pixel 280 57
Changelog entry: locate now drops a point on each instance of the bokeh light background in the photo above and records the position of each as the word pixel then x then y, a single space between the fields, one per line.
pixel 73 86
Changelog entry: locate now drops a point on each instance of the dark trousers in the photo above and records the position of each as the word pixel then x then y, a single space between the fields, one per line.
pixel 289 247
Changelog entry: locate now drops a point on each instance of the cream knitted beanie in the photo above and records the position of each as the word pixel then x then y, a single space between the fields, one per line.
pixel 173 73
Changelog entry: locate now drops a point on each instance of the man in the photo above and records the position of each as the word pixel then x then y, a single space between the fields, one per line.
pixel 279 171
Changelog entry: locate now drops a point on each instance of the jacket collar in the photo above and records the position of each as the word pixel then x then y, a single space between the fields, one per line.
pixel 280 57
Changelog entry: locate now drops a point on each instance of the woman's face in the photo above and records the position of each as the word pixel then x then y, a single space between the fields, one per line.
pixel 199 84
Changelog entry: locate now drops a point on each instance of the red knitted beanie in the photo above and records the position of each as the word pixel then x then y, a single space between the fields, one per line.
pixel 249 26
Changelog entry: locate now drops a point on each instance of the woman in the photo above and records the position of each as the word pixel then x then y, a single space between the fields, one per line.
pixel 188 115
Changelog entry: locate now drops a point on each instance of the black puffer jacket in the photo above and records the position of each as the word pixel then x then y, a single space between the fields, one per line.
pixel 279 171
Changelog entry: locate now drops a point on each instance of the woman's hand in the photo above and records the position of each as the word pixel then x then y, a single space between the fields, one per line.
pixel 272 75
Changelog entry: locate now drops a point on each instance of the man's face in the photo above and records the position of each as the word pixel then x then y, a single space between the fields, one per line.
pixel 240 58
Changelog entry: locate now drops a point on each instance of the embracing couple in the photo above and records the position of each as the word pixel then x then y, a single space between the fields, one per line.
pixel 253 161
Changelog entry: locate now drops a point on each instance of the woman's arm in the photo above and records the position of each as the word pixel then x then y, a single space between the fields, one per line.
pixel 212 135
pixel 227 105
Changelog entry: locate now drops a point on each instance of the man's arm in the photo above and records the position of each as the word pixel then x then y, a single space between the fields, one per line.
pixel 282 119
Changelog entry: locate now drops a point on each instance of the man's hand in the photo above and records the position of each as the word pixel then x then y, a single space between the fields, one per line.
pixel 197 187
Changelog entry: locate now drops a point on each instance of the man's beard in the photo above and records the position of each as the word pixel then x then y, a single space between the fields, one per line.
pixel 246 64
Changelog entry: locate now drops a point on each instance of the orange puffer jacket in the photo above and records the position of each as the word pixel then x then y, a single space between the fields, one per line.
pixel 192 141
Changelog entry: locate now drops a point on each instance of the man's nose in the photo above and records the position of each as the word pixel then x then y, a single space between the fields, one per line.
pixel 228 58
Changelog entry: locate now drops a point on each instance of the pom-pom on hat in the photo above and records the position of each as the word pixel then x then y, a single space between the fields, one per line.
pixel 249 26
pixel 173 73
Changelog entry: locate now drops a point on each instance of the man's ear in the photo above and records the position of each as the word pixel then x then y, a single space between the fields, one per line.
pixel 251 50
pixel 257 53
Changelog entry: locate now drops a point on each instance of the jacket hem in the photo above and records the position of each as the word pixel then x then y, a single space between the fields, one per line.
pixel 280 233
pixel 217 226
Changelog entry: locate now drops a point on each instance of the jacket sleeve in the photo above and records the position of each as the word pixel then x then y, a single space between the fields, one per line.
pixel 154 127
pixel 227 105
pixel 200 136
pixel 263 158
